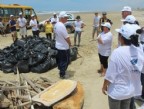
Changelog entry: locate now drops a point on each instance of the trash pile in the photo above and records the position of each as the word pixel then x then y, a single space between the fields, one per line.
pixel 35 54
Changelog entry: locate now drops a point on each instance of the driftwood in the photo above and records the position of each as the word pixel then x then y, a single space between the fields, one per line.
pixel 31 83
pixel 18 94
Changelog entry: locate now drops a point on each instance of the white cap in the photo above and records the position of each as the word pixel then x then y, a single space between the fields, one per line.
pixel 53 20
pixel 11 15
pixel 130 19
pixel 62 14
pixel 106 24
pixel 20 13
pixel 32 15
pixel 54 13
pixel 126 8
pixel 126 30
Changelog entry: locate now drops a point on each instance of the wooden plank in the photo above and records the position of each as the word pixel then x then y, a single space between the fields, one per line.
pixel 12 87
pixel 31 83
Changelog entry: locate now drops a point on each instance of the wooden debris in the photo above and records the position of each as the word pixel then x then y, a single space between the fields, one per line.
pixel 18 94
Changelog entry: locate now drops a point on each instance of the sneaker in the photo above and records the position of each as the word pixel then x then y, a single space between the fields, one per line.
pixel 139 98
pixel 64 76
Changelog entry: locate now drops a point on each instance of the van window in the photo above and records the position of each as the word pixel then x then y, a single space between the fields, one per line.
pixel 9 11
pixel 1 12
pixel 17 11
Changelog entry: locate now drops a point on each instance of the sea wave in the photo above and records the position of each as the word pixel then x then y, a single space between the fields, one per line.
pixel 51 12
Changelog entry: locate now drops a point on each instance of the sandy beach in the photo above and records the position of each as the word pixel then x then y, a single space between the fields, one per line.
pixel 84 69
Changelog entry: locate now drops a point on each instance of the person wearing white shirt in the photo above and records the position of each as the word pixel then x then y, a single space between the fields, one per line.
pixel 96 21
pixel 34 25
pixel 63 44
pixel 22 22
pixel 122 79
pixel 104 46
pixel 78 24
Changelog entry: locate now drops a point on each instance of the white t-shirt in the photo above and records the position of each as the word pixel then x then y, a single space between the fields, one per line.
pixel 123 72
pixel 22 21
pixel 34 25
pixel 78 25
pixel 105 48
pixel 96 21
pixel 61 34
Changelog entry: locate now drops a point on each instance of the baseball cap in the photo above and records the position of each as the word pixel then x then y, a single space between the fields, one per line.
pixel 130 19
pixel 32 15
pixel 53 20
pixel 106 24
pixel 20 13
pixel 11 15
pixel 63 14
pixel 54 13
pixel 126 30
pixel 126 8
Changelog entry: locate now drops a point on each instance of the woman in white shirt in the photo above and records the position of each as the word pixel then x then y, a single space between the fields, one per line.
pixel 122 79
pixel 78 29
pixel 104 46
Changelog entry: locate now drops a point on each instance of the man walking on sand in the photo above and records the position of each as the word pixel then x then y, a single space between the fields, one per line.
pixel 95 25
pixel 63 44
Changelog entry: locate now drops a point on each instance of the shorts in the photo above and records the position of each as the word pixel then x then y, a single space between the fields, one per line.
pixel 104 60
pixel 14 33
pixel 23 31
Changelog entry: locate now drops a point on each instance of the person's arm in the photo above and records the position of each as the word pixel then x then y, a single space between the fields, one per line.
pixel 68 41
pixel 100 40
pixel 105 86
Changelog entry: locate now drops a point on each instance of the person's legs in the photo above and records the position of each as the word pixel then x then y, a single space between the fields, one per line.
pixel 101 67
pixel 114 104
pixel 21 32
pixel 63 59
pixel 79 38
pixel 132 103
pixel 75 37
pixel 47 35
pixel 93 33
pixel 105 64
pixel 125 104
pixel 97 30
pixel 142 82
pixel 37 33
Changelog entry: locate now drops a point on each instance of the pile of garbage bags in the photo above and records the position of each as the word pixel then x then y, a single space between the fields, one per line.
pixel 32 54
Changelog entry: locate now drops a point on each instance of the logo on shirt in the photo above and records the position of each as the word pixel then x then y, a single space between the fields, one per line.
pixel 134 61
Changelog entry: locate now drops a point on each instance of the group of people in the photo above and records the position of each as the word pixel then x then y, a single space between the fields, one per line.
pixel 123 73
pixel 124 78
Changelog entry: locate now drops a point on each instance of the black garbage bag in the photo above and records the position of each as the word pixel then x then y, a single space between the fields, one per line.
pixel 7 67
pixel 36 58
pixel 43 67
pixel 23 66
pixel 52 53
pixel 40 48
pixel 11 59
pixel 53 63
pixel 1 63
pixel 20 43
pixel 19 55
pixel 73 53
pixel 6 50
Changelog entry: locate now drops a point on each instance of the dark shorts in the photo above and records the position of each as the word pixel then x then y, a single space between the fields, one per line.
pixel 104 60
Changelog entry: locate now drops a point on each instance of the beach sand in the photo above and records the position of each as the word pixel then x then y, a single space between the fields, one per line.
pixel 84 69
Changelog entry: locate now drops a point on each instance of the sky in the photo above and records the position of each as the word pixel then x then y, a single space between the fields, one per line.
pixel 77 5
